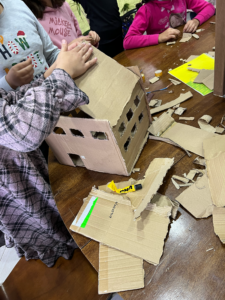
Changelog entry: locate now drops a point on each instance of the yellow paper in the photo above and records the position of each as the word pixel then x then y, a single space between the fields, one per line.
pixel 183 74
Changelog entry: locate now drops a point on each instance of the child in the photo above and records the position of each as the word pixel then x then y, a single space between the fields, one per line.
pixel 105 19
pixel 59 21
pixel 29 217
pixel 154 18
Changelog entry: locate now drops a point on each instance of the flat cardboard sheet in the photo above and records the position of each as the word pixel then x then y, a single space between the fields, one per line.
pixel 180 99
pixel 214 150
pixel 103 90
pixel 219 222
pixel 118 271
pixel 182 73
pixel 111 222
pixel 197 198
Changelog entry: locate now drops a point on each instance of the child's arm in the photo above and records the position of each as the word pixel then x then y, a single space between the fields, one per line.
pixel 135 37
pixel 25 123
pixel 204 11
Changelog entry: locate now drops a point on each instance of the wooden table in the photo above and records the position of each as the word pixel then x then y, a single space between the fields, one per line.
pixel 186 270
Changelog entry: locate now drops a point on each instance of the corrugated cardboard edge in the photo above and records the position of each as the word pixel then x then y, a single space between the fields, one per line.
pixel 219 222
pixel 197 199
pixel 118 271
pixel 165 166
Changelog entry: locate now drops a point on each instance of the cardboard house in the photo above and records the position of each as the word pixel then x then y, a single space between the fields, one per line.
pixel 112 135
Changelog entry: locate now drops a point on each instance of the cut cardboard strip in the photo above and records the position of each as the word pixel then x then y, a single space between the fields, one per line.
pixel 219 222
pixel 203 123
pixel 112 223
pixel 180 99
pixel 175 184
pixel 175 82
pixel 182 179
pixel 154 79
pixel 214 150
pixel 197 199
pixel 187 137
pixel 118 271
pixel 170 43
pixel 186 118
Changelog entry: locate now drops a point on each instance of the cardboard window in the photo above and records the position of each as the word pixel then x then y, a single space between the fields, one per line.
pixel 126 145
pixel 137 101
pixel 129 115
pixel 99 135
pixel 59 130
pixel 76 132
pixel 140 118
pixel 77 161
pixel 134 130
pixel 122 129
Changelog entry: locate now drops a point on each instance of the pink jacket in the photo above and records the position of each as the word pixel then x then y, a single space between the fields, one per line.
pixel 154 18
pixel 60 23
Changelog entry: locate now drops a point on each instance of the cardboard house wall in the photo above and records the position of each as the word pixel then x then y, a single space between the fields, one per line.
pixel 113 138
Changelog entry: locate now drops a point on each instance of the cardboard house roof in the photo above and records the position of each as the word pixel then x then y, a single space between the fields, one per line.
pixel 106 83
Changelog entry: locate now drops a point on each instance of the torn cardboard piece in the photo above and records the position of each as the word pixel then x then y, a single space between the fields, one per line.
pixel 154 79
pixel 196 36
pixel 197 199
pixel 136 170
pixel 180 99
pixel 118 271
pixel 219 130
pixel 179 178
pixel 203 74
pixel 155 103
pixel 170 43
pixel 175 82
pixel 203 123
pixel 219 222
pixel 180 110
pixel 200 161
pixel 200 30
pixel 192 57
pixel 186 37
pixel 111 222
pixel 186 118
pixel 214 150
pixel 175 184
pixel 187 137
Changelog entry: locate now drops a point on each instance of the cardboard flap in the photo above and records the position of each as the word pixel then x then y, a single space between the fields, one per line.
pixel 118 271
pixel 109 86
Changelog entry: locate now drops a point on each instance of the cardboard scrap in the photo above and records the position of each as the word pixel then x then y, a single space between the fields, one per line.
pixel 199 30
pixel 212 53
pixel 118 271
pixel 219 130
pixel 209 81
pixel 197 199
pixel 203 123
pixel 214 150
pixel 180 110
pixel 203 74
pixel 187 118
pixel 200 161
pixel 180 99
pixel 170 43
pixel 194 70
pixel 161 124
pixel 170 111
pixel 175 184
pixel 154 79
pixel 111 222
pixel 136 170
pixel 175 82
pixel 182 179
pixel 192 174
pixel 192 57
pixel 219 222
pixel 196 36
pixel 186 37
pixel 155 103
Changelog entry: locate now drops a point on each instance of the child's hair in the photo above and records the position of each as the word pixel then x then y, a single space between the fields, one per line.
pixel 38 6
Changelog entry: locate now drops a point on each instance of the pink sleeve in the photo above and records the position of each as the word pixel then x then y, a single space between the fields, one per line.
pixel 203 9
pixel 75 22
pixel 135 37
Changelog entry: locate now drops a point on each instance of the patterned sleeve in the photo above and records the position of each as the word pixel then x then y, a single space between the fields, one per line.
pixel 27 120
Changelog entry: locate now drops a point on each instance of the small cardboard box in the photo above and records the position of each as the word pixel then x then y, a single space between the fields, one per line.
pixel 113 135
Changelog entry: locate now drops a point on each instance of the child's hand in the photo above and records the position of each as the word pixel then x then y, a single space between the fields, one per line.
pixel 191 26
pixel 95 38
pixel 20 74
pixel 75 62
pixel 168 34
